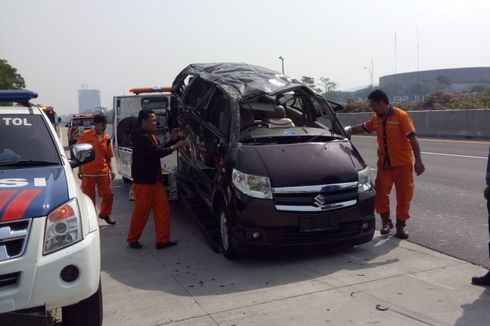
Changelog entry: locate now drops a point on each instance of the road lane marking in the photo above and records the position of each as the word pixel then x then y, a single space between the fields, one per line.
pixel 455 155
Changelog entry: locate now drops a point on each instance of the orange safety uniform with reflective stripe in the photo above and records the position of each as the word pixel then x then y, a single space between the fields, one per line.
pixel 395 161
pixel 103 153
pixel 394 148
pixel 97 173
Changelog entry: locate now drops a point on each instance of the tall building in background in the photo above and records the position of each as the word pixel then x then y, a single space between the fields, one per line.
pixel 88 99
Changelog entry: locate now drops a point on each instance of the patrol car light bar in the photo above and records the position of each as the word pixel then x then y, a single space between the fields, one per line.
pixel 139 90
pixel 17 95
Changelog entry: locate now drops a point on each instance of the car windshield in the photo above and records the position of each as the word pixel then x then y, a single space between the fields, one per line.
pixel 85 122
pixel 297 115
pixel 25 141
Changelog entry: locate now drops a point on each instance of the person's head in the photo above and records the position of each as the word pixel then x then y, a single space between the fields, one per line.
pixel 100 123
pixel 147 120
pixel 379 102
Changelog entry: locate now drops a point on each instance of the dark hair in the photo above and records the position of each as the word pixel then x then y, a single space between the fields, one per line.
pixel 144 115
pixel 100 118
pixel 378 95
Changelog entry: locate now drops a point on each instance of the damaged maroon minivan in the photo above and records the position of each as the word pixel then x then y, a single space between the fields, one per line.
pixel 269 159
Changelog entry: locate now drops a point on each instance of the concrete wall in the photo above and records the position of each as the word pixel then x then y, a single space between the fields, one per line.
pixel 447 123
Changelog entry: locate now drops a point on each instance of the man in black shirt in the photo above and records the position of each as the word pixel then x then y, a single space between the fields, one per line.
pixel 149 193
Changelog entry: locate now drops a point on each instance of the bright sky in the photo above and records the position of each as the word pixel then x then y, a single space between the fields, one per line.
pixel 113 45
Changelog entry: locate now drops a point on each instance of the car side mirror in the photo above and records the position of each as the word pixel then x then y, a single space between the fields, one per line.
pixel 348 132
pixel 81 154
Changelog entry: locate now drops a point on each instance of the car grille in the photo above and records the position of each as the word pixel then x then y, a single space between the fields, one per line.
pixel 295 236
pixel 13 238
pixel 316 198
pixel 9 279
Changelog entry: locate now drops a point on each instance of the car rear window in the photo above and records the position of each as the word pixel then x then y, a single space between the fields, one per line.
pixel 85 122
pixel 154 103
pixel 26 138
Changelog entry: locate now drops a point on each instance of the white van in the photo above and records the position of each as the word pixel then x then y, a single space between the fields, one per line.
pixel 126 109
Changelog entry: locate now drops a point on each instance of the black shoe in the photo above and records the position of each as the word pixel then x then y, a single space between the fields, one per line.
pixel 165 245
pixel 483 280
pixel 135 245
pixel 108 219
pixel 401 230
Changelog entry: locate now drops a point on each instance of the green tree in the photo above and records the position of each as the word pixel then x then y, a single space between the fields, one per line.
pixel 9 77
pixel 328 85
pixel 310 82
pixel 443 81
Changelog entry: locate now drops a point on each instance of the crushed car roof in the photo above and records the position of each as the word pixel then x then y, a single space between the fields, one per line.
pixel 248 80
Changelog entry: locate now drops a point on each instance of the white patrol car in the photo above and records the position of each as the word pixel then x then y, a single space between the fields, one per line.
pixel 126 109
pixel 49 236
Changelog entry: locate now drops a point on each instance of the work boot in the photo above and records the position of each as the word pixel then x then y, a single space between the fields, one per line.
pixel 386 224
pixel 135 245
pixel 401 229
pixel 482 280
pixel 160 245
pixel 108 219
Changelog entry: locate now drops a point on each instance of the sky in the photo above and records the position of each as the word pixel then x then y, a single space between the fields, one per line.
pixel 114 45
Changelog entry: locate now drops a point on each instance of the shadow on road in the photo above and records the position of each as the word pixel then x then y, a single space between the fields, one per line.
pixel 476 313
pixel 192 268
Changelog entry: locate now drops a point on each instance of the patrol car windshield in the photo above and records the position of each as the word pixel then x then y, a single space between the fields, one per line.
pixel 25 140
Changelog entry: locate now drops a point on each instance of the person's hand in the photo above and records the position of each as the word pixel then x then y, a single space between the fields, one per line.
pixel 486 193
pixel 179 144
pixel 80 175
pixel 419 167
pixel 174 134
pixel 113 176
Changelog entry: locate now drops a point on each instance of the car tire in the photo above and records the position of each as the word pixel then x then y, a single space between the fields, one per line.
pixel 86 312
pixel 127 180
pixel 229 243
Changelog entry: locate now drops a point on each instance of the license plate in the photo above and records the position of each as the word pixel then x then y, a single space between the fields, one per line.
pixel 317 223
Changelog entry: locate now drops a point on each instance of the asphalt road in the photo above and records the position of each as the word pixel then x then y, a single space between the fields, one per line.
pixel 448 212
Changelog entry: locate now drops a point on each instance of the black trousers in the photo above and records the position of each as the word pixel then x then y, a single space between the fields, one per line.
pixel 488 209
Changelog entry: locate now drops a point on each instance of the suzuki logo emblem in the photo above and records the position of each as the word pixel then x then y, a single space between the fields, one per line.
pixel 320 200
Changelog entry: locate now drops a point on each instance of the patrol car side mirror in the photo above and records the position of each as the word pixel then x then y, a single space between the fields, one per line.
pixel 81 154
pixel 348 132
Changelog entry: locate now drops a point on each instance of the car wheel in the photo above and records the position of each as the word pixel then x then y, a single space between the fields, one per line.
pixel 229 243
pixel 85 312
pixel 126 180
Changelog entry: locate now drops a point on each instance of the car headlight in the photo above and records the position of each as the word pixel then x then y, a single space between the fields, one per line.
pixel 252 185
pixel 364 180
pixel 63 227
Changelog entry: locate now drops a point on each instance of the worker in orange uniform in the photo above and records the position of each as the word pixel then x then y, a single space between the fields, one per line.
pixel 98 173
pixel 149 193
pixel 397 146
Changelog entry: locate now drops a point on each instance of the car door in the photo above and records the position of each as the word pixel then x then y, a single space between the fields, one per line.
pixel 191 120
pixel 211 144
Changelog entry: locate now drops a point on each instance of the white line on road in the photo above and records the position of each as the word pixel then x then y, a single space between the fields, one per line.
pixel 455 155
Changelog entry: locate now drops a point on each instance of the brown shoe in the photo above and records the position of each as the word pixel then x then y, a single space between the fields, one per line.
pixel 386 224
pixel 401 230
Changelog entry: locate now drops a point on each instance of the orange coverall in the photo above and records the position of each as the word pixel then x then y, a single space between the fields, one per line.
pixel 395 161
pixel 150 197
pixel 97 172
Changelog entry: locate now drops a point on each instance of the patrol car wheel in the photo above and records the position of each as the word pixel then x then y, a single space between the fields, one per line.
pixel 86 312
pixel 229 243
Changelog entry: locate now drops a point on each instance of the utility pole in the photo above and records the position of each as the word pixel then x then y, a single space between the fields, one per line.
pixel 282 64
pixel 370 74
